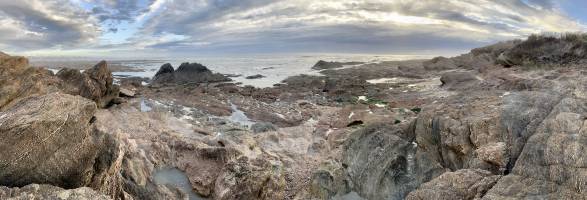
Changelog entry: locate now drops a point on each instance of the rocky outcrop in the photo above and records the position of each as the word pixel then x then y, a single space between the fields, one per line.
pixel 19 81
pixel 466 184
pixel 95 83
pixel 187 73
pixel 569 48
pixel 439 63
pixel 458 80
pixel 257 76
pixel 35 191
pixel 378 162
pixel 50 140
pixel 321 64
pixel 261 127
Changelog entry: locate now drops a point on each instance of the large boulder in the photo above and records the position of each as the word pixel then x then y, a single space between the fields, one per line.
pixel 50 140
pixel 379 161
pixel 551 164
pixel 95 83
pixel 19 81
pixel 187 73
pixel 466 184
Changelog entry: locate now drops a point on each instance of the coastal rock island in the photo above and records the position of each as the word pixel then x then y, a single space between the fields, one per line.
pixel 505 121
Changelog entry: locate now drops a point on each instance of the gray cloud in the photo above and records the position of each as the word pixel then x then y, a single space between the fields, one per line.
pixel 36 24
pixel 118 10
pixel 369 26
pixel 349 26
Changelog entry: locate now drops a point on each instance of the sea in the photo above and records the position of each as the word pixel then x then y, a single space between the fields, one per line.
pixel 275 68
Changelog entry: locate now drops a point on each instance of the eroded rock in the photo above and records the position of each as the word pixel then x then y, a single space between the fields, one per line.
pixel 49 140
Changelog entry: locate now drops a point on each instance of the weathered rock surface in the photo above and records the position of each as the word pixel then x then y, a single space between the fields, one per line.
pixel 447 128
pixel 466 184
pixel 95 83
pixel 458 80
pixel 19 81
pixel 261 127
pixel 49 140
pixel 49 192
pixel 439 63
pixel 187 73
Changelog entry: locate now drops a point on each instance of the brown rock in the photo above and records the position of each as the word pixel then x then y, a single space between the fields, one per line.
pixel 49 140
pixel 95 84
pixel 466 184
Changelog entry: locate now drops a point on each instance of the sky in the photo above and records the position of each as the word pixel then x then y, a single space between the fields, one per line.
pixel 157 28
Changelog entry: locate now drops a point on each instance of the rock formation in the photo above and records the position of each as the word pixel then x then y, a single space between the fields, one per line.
pixel 321 65
pixel 49 140
pixel 19 81
pixel 187 73
pixel 95 83
pixel 482 125
pixel 257 76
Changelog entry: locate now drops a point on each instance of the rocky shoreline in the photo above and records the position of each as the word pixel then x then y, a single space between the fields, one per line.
pixel 501 122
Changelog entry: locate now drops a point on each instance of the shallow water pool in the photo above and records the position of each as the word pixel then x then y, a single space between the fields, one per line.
pixel 176 178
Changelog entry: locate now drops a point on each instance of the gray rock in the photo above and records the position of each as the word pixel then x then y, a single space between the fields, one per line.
pixel 257 76
pixel 439 63
pixel 466 184
pixel 458 80
pixel 261 127
pixel 187 73
pixel 126 92
pixel 320 65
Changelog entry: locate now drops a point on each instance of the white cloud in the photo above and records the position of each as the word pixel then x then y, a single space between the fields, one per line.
pixel 279 25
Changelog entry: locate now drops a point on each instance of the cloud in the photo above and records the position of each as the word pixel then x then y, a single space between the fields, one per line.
pixel 33 24
pixel 355 26
pixel 335 25
pixel 117 11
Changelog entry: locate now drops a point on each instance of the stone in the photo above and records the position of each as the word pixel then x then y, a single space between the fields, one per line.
pixel 466 184
pixel 36 191
pixel 244 178
pixel 495 153
pixel 95 83
pixel 187 73
pixel 19 81
pixel 458 80
pixel 165 69
pixel 257 76
pixel 49 140
pixel 320 65
pixel 126 92
pixel 261 127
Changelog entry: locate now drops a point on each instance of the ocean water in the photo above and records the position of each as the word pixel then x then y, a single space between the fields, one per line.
pixel 275 68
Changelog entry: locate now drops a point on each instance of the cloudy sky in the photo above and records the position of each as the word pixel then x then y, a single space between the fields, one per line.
pixel 183 27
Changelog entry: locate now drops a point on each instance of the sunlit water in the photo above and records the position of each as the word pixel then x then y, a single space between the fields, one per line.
pixel 275 68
